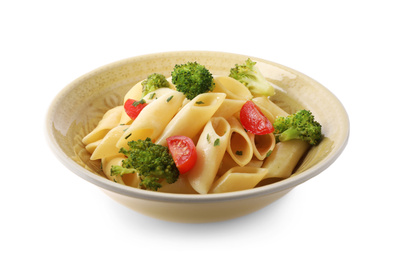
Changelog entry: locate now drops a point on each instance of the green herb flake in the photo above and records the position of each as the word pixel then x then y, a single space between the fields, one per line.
pixel 168 99
pixel 268 154
pixel 200 102
pixel 152 95
pixel 208 138
pixel 238 153
pixel 136 103
pixel 127 136
pixel 217 142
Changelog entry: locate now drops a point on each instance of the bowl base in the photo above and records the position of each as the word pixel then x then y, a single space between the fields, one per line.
pixel 196 212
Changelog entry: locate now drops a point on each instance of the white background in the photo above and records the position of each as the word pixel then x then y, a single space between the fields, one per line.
pixel 346 212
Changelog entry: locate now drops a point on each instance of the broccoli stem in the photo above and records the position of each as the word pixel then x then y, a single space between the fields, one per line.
pixel 289 134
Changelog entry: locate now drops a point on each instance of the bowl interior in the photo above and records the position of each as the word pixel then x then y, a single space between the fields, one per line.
pixel 78 108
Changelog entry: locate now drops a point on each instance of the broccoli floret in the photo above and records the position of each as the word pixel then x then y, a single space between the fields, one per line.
pixel 249 75
pixel 119 170
pixel 192 79
pixel 300 125
pixel 152 82
pixel 153 163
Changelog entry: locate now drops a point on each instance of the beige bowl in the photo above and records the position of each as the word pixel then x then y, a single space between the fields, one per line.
pixel 79 106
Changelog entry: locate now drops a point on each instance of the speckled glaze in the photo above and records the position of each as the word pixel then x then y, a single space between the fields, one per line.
pixel 79 106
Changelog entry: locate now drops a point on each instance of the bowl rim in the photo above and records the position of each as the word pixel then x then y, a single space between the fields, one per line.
pixel 106 184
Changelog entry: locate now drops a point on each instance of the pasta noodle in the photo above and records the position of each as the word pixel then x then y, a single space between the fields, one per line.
pixel 110 119
pixel 107 163
pixel 181 186
pixel 232 88
pixel 152 121
pixel 228 163
pixel 229 108
pixel 262 145
pixel 239 178
pixel 268 105
pixel 210 151
pixel 284 158
pixel 239 147
pixel 90 147
pixel 107 146
pixel 193 116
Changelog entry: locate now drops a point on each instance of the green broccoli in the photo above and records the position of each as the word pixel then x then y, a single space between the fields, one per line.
pixel 192 79
pixel 300 125
pixel 151 161
pixel 152 82
pixel 249 75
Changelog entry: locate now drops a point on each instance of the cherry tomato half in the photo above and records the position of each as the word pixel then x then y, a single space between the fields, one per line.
pixel 183 152
pixel 253 120
pixel 133 107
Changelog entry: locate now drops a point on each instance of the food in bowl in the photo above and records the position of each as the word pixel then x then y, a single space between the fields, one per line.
pixel 79 107
pixel 198 133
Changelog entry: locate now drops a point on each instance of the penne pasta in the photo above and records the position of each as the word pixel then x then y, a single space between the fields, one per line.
pixel 262 145
pixel 106 166
pixel 152 96
pixel 255 163
pixel 232 88
pixel 229 108
pixel 266 104
pixel 210 151
pixel 239 178
pixel 92 146
pixel 284 158
pixel 240 147
pixel 131 179
pixel 190 120
pixel 181 186
pixel 110 119
pixel 153 119
pixel 107 146
pixel 226 164
pixel 136 93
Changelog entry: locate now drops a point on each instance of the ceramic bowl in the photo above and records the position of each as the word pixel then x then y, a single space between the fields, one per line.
pixel 76 110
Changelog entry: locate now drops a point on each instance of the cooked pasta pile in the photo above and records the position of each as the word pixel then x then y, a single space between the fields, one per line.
pixel 238 160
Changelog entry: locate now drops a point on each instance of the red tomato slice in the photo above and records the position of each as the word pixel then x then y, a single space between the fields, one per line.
pixel 253 120
pixel 133 107
pixel 183 152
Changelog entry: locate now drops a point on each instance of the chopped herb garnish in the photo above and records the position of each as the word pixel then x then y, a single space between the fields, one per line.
pixel 208 138
pixel 127 136
pixel 200 102
pixel 152 95
pixel 217 142
pixel 136 103
pixel 168 99
pixel 269 153
pixel 238 152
